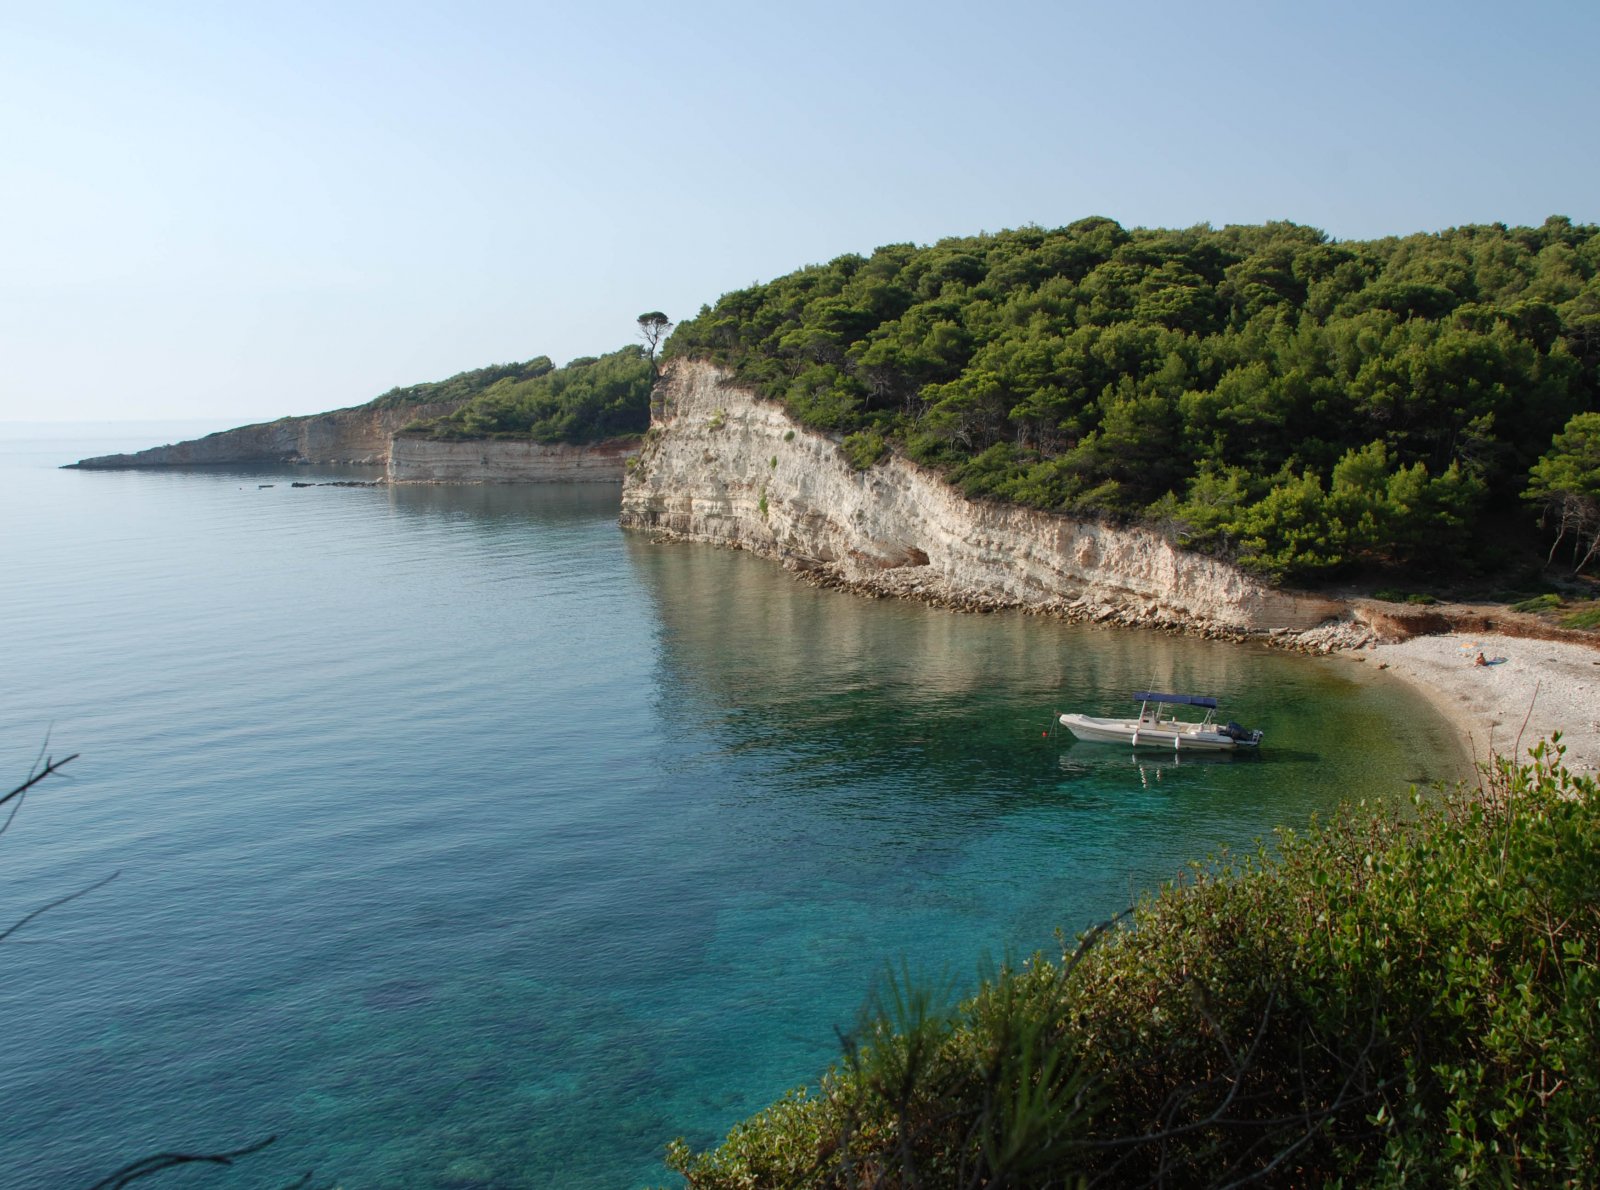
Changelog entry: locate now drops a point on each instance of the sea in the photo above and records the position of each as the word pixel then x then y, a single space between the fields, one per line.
pixel 458 838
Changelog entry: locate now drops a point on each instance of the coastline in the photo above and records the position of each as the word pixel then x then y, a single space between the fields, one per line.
pixel 750 478
pixel 1532 689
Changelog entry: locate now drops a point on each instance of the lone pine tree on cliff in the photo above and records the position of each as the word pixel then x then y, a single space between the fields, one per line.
pixel 653 327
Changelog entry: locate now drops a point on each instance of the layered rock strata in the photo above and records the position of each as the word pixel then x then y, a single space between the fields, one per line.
pixel 360 435
pixel 723 466
pixel 415 459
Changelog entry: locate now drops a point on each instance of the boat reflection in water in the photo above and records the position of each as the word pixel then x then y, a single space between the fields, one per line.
pixel 1098 764
pixel 1150 769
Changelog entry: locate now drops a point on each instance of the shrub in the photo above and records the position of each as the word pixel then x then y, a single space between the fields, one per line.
pixel 864 448
pixel 1539 603
pixel 1589 617
pixel 1386 999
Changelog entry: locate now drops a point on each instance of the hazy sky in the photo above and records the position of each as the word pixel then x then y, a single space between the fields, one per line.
pixel 237 211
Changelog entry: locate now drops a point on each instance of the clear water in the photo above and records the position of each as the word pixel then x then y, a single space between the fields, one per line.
pixel 465 840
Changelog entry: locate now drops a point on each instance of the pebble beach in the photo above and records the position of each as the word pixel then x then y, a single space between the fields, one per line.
pixel 1527 690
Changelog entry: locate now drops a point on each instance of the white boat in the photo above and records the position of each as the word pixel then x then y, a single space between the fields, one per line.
pixel 1151 730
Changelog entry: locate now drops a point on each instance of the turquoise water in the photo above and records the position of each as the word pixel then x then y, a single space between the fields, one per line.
pixel 464 840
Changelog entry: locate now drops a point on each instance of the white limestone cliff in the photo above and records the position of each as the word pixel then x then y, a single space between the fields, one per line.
pixel 414 459
pixel 722 465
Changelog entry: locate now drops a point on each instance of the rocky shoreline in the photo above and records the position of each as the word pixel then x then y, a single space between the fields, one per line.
pixel 374 435
pixel 724 467
pixel 1348 631
pixel 419 459
pixel 720 465
pixel 1539 681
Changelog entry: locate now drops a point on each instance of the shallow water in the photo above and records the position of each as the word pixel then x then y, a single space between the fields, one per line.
pixel 465 840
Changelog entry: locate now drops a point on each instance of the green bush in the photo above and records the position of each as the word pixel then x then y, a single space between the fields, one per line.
pixel 1388 999
pixel 1539 603
pixel 864 449
pixel 1589 617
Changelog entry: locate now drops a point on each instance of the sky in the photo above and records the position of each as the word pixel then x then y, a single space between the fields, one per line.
pixel 239 211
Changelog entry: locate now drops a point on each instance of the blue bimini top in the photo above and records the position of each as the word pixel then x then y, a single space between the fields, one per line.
pixel 1192 700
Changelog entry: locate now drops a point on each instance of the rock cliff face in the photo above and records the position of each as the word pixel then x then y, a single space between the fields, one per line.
pixel 423 460
pixel 358 435
pixel 720 465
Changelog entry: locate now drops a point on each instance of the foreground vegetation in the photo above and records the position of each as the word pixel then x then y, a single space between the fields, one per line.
pixel 589 400
pixel 1385 1000
pixel 1302 406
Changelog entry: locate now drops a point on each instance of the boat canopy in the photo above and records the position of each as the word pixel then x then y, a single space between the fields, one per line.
pixel 1192 700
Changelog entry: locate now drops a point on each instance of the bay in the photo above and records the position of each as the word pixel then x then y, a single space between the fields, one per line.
pixel 465 840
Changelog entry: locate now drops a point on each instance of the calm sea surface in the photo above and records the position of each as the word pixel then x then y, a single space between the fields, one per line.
pixel 465 840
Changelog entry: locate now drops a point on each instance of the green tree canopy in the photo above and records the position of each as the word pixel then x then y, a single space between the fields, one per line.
pixel 1565 482
pixel 1212 379
pixel 462 386
pixel 589 400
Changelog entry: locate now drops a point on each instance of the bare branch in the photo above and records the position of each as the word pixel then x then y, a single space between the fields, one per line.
pixel 158 1162
pixel 72 896
pixel 51 767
